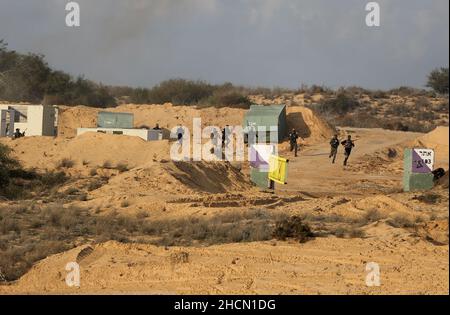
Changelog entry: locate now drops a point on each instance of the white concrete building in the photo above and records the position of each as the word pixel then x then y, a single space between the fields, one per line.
pixel 35 120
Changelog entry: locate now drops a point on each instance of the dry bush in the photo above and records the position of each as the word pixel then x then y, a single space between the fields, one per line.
pixel 341 104
pixel 71 191
pixel 426 115
pixel 230 227
pixel 52 179
pixel 122 167
pixel 346 231
pixel 422 103
pixel 96 184
pixel 400 220
pixel 372 215
pixel 107 165
pixel 443 107
pixel 142 214
pixel 227 99
pixel 179 257
pixel 378 94
pixel 125 203
pixel 292 227
pixel 356 233
pixel 400 110
pixel 93 171
pixel 429 198
pixel 65 163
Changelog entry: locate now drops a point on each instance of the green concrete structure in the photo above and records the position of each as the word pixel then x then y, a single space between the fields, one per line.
pixel 259 178
pixel 267 116
pixel 407 161
pixel 413 181
pixel 115 120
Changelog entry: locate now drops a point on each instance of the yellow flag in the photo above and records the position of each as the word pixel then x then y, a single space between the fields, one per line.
pixel 278 169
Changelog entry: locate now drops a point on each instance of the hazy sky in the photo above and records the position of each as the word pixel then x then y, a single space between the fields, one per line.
pixel 252 42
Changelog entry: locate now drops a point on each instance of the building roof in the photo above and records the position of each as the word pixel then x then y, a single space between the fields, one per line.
pixel 266 110
pixel 264 115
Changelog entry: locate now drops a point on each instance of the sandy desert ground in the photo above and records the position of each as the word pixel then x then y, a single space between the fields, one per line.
pixel 358 213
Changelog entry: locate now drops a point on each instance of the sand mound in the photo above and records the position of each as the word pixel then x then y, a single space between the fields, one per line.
pixel 385 206
pixel 383 231
pixel 71 118
pixel 434 231
pixel 168 116
pixel 308 124
pixel 169 180
pixel 437 137
pixel 97 148
pixel 212 177
pixel 90 148
pixel 437 140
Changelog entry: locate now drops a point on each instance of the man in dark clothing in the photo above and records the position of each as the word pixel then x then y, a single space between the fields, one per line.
pixel 348 146
pixel 334 143
pixel 157 127
pixel 18 134
pixel 293 136
pixel 226 136
pixel 438 173
pixel 223 137
pixel 180 134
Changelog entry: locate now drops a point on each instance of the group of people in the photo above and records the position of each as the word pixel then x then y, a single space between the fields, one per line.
pixel 348 145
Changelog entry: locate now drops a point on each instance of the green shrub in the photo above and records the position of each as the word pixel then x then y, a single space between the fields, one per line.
pixel 341 104
pixel 51 179
pixel 438 80
pixel 27 77
pixel 7 163
pixel 228 99
pixel 180 92
pixel 400 110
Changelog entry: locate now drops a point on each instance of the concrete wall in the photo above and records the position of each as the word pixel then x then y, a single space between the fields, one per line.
pixel 415 181
pixel 35 120
pixel 48 121
pixel 145 134
pixel 259 177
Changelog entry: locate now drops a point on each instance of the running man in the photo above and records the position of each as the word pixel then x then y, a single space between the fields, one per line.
pixel 334 143
pixel 348 146
pixel 293 137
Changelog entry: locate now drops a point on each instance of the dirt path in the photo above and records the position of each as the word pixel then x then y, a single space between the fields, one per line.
pixel 313 171
pixel 322 266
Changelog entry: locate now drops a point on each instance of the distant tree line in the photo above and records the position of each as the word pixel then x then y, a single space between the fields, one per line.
pixel 188 92
pixel 28 78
